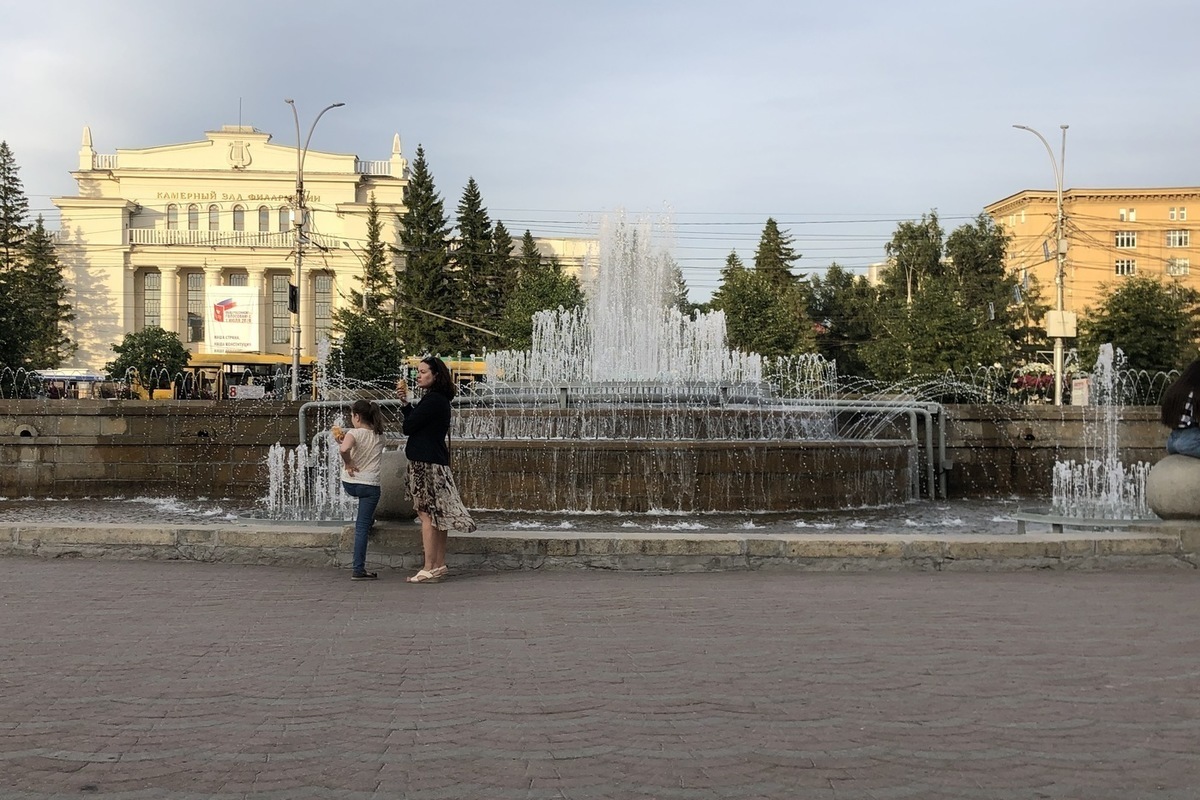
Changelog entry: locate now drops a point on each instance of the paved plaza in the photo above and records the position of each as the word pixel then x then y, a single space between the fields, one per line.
pixel 129 679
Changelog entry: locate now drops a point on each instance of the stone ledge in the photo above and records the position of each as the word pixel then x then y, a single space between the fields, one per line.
pixel 399 547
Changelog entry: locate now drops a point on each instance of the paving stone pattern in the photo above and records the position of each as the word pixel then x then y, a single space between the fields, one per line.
pixel 156 680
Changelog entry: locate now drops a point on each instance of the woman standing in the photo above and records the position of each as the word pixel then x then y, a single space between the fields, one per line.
pixel 1179 412
pixel 361 449
pixel 430 484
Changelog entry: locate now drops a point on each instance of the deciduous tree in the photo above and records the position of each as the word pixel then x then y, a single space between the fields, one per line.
pixel 1153 322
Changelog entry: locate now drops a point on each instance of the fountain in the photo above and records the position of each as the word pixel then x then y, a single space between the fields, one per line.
pixel 1101 486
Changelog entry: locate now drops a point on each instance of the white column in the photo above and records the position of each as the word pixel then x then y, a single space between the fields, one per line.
pixel 258 282
pixel 308 316
pixel 212 279
pixel 170 299
pixel 132 300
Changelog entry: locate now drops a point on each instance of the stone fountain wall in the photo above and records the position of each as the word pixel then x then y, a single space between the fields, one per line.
pixel 71 449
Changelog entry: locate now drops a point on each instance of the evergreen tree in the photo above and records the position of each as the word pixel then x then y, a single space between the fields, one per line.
pixel 504 274
pixel 368 349
pixel 1153 322
pixel 424 284
pixel 530 259
pixel 843 307
pixel 379 277
pixel 14 208
pixel 677 295
pixel 14 211
pixel 775 256
pixel 44 302
pixel 762 313
pixel 478 292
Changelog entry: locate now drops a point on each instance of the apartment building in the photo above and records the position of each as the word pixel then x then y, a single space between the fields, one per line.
pixel 1109 236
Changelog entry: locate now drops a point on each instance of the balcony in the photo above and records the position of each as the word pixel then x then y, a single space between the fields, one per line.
pixel 108 161
pixel 372 167
pixel 251 239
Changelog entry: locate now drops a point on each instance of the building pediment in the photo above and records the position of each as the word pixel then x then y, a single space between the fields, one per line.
pixel 233 148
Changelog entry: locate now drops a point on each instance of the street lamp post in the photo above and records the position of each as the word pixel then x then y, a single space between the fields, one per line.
pixel 1059 328
pixel 298 226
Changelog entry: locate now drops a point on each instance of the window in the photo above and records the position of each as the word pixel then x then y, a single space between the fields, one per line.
pixel 1177 267
pixel 195 307
pixel 1126 239
pixel 285 219
pixel 280 316
pixel 239 218
pixel 1126 267
pixel 172 217
pixel 1127 215
pixel 1175 213
pixel 152 300
pixel 264 219
pixel 1178 238
pixel 193 217
pixel 239 279
pixel 323 302
pixel 214 218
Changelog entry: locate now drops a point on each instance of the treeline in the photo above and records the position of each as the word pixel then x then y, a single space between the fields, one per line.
pixel 435 292
pixel 943 302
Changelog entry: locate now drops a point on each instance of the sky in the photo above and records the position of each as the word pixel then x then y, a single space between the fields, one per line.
pixel 839 120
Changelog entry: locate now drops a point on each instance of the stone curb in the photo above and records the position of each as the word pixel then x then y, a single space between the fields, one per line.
pixel 398 546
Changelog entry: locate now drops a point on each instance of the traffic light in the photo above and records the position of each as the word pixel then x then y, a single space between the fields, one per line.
pixel 293 299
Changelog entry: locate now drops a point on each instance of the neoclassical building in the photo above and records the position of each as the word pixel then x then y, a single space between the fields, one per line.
pixel 159 236
pixel 199 238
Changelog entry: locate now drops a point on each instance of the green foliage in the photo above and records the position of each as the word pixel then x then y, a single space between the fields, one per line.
pixel 478 282
pixel 379 277
pixel 540 286
pixel 14 210
pixel 677 296
pixel 505 266
pixel 914 252
pixel 46 311
pixel 13 228
pixel 150 354
pixel 762 316
pixel 1153 322
pixel 368 350
pixel 940 313
pixel 424 283
pixel 934 334
pixel 775 256
pixel 844 307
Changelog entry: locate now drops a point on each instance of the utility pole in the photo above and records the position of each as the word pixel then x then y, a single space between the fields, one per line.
pixel 1060 324
pixel 300 238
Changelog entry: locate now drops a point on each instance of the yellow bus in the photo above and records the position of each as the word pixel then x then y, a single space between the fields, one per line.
pixel 465 371
pixel 243 376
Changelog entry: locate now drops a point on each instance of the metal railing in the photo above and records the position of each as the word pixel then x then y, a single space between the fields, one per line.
pixel 372 167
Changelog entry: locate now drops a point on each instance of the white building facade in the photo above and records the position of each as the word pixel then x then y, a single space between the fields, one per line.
pixel 159 236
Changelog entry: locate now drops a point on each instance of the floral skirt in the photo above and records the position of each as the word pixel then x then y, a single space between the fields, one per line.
pixel 432 489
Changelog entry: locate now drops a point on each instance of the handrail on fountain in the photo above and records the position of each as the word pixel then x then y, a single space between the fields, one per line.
pixel 935 476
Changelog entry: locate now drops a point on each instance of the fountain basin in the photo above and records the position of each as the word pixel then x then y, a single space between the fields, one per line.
pixel 682 476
